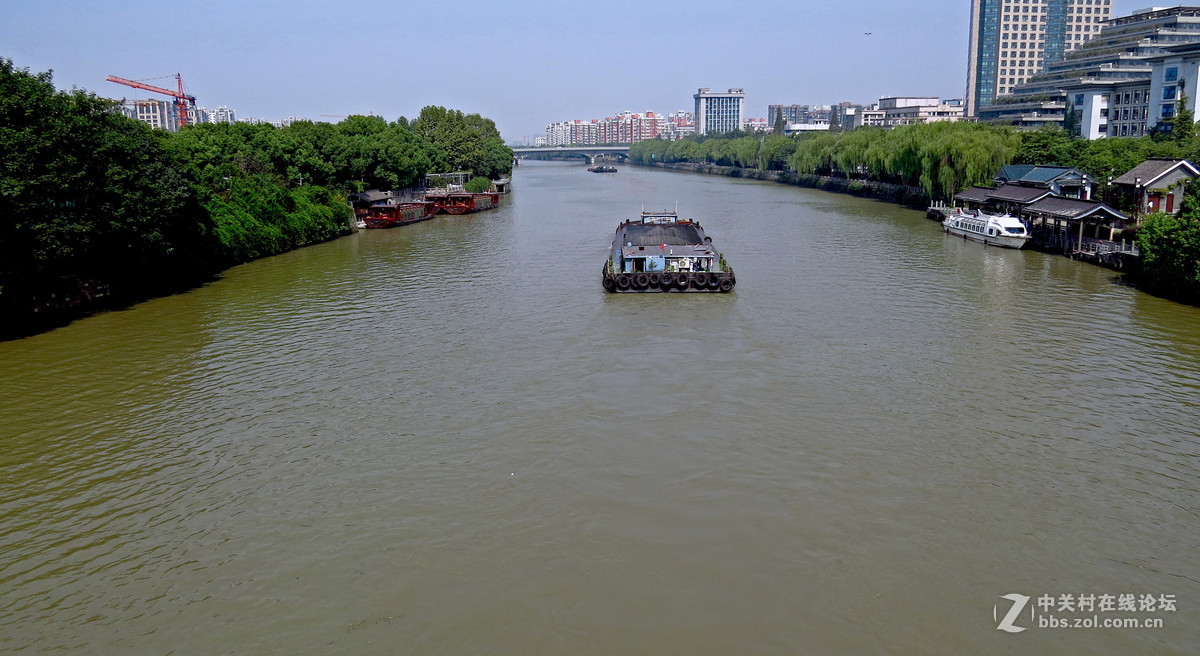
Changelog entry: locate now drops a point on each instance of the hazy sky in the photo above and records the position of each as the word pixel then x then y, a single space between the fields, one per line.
pixel 522 63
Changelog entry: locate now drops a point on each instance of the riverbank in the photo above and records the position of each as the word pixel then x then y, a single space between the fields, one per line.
pixel 907 196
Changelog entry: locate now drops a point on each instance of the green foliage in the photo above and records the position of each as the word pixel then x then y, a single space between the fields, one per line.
pixel 1170 252
pixel 469 141
pixel 477 185
pixel 1184 123
pixel 1070 123
pixel 740 149
pixel 87 195
pixel 100 201
pixel 941 158
pixel 1048 145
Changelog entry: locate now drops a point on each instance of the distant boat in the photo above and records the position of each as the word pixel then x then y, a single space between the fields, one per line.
pixel 602 169
pixel 990 229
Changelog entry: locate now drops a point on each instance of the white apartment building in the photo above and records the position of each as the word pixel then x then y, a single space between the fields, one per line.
pixel 718 112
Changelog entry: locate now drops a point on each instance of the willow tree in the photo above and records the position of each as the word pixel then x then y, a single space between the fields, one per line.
pixel 957 155
pixel 814 154
pixel 853 148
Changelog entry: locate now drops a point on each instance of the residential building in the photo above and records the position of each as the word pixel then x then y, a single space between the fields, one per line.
pixel 872 115
pixel 1119 55
pixel 1137 106
pixel 798 113
pixel 160 114
pixel 914 110
pixel 1011 40
pixel 1158 184
pixel 221 114
pixel 798 128
pixel 718 112
pixel 756 125
pixel 627 127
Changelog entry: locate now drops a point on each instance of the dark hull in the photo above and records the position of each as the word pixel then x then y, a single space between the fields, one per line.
pixel 681 281
pixel 463 203
pixel 391 216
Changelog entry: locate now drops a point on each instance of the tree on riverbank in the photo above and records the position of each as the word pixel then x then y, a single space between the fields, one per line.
pixel 95 204
pixel 942 158
pixel 1170 250
pixel 90 203
pixel 765 152
pixel 469 141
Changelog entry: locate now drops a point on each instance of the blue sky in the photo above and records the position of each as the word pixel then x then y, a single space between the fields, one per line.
pixel 521 63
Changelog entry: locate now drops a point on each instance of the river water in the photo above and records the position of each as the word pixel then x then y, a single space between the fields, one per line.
pixel 446 439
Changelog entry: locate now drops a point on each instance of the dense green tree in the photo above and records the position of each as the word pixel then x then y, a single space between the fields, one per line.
pixel 477 184
pixel 88 199
pixel 1070 120
pixel 1170 250
pixel 1184 122
pixel 942 158
pixel 775 151
pixel 470 142
pixel 92 200
pixel 1048 145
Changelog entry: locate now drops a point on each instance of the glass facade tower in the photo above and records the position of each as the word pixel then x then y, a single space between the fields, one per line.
pixel 1011 40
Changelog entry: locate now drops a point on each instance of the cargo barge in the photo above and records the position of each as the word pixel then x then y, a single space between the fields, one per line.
pixel 661 252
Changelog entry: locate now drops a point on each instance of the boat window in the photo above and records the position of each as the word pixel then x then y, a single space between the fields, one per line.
pixel 1016 231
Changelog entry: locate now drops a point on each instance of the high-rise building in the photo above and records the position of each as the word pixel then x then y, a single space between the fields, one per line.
pixel 1120 55
pixel 155 113
pixel 1012 40
pixel 719 112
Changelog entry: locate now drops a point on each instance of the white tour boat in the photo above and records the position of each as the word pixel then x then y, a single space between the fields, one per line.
pixel 991 229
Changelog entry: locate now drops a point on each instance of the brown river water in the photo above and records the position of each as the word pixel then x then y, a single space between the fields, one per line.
pixel 447 439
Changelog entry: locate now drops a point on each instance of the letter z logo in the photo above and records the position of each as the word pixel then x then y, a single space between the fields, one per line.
pixel 1018 605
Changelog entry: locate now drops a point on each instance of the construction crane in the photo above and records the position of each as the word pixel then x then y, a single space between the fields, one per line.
pixel 182 100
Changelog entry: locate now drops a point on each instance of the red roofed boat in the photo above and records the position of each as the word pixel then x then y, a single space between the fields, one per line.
pixel 390 216
pixel 462 202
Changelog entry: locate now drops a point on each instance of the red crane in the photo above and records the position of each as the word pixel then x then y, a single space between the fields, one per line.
pixel 182 100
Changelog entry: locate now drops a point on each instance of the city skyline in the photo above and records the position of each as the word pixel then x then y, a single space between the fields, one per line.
pixel 523 64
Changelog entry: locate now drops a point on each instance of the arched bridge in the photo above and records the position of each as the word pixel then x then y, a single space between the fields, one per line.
pixel 556 152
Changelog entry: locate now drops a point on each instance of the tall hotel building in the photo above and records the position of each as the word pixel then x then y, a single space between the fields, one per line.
pixel 1012 39
pixel 719 112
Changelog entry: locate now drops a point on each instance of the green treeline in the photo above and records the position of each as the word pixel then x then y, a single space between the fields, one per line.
pixel 94 204
pixel 945 158
pixel 1170 250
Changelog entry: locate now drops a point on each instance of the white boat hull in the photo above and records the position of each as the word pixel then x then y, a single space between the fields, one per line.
pixel 1004 241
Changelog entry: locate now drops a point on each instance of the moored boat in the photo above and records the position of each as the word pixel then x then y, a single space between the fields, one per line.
pixel 661 253
pixel 390 216
pixel 990 229
pixel 462 202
